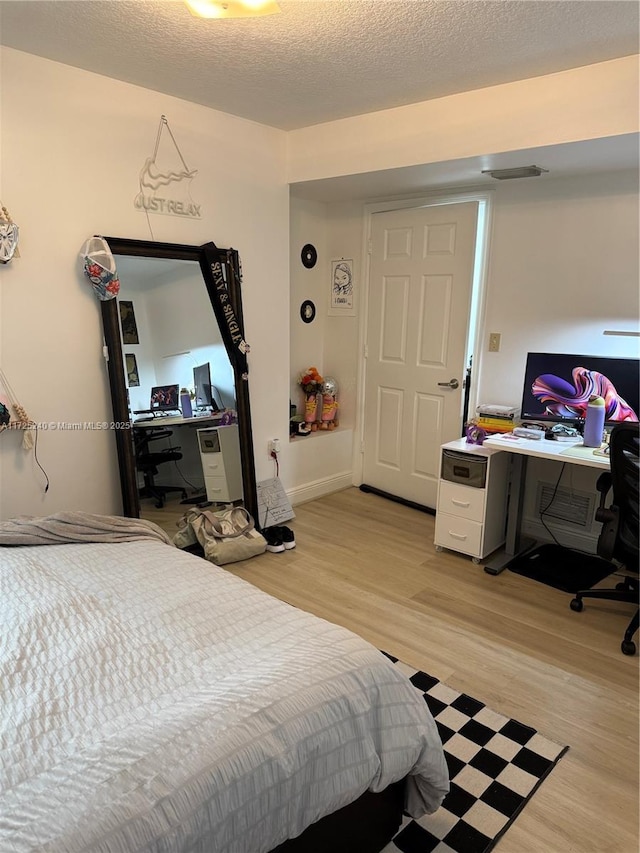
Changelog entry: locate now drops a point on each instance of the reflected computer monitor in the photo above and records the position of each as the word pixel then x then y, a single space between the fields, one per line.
pixel 164 398
pixel 202 387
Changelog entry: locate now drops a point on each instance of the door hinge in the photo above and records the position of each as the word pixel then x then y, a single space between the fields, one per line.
pixel 369 247
pixel 365 351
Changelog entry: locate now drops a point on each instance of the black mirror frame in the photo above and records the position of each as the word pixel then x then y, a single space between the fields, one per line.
pixel 221 273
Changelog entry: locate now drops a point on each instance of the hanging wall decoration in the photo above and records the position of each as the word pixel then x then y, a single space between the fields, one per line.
pixel 342 287
pixel 128 322
pixel 165 179
pixel 12 414
pixel 133 379
pixel 9 234
pixel 308 256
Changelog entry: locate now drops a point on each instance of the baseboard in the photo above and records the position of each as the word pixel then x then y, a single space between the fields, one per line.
pixel 570 538
pixel 320 488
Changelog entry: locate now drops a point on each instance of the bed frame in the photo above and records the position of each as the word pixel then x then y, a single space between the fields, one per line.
pixel 366 825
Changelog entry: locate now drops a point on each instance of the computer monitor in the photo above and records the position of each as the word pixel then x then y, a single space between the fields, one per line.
pixel 557 387
pixel 202 387
pixel 164 398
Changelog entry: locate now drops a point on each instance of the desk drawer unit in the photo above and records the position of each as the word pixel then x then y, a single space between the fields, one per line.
pixel 220 458
pixel 472 499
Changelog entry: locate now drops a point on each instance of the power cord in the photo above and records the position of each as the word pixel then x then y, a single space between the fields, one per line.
pixel 37 461
pixel 548 506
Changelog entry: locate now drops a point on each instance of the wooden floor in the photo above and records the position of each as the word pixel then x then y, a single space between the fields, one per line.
pixel 370 564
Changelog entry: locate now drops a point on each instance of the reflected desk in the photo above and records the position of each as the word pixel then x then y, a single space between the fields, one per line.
pixel 575 453
pixel 191 469
pixel 158 421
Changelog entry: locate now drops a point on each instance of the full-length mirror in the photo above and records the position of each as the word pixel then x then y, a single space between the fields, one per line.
pixel 178 375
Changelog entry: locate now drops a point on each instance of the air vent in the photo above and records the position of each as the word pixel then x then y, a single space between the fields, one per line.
pixel 568 506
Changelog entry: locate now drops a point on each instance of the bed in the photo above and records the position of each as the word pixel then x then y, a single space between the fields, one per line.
pixel 151 701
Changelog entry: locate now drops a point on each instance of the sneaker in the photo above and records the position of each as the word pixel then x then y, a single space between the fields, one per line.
pixel 274 540
pixel 287 536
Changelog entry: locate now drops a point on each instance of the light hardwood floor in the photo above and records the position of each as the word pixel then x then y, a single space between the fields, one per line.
pixel 370 564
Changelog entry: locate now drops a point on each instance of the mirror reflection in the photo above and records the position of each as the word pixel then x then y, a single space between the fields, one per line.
pixel 180 389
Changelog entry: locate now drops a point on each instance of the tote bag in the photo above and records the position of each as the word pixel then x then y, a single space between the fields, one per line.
pixel 227 536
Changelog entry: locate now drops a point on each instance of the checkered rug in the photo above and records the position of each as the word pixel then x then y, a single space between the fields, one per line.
pixel 495 766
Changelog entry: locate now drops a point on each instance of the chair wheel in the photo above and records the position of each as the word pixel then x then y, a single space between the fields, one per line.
pixel 628 647
pixel 577 605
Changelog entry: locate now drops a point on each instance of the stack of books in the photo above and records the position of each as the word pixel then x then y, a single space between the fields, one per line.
pixel 496 418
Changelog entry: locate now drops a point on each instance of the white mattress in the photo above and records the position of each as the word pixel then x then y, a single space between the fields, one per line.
pixel 150 701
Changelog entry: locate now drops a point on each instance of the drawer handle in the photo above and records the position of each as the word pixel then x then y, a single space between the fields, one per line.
pixel 460 503
pixel 457 535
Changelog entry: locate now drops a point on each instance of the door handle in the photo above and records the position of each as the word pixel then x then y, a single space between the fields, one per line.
pixel 452 383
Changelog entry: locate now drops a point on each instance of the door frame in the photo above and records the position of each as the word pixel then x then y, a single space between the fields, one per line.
pixel 485 198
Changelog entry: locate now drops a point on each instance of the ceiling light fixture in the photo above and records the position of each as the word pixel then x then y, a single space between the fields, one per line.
pixel 517 172
pixel 231 8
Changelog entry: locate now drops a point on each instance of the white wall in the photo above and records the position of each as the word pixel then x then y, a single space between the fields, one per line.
pixel 563 267
pixel 73 144
pixel 177 331
pixel 322 462
pixel 591 102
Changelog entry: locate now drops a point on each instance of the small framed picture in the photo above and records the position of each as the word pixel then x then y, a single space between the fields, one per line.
pixel 128 321
pixel 342 288
pixel 133 380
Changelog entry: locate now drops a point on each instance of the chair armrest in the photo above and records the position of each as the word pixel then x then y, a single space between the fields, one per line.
pixel 603 485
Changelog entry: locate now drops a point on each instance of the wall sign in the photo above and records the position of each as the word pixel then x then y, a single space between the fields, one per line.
pixel 342 287
pixel 165 179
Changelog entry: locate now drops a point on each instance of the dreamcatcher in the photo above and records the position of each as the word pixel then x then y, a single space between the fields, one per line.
pixel 13 415
pixel 9 234
pixel 19 420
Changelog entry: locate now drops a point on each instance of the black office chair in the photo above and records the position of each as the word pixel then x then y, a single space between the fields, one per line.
pixel 618 539
pixel 147 463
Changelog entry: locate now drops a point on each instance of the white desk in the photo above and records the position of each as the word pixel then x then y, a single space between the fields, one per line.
pixel 176 420
pixel 564 451
pixel 521 449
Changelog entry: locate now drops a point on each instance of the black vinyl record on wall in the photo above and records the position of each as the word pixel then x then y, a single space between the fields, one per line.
pixel 309 256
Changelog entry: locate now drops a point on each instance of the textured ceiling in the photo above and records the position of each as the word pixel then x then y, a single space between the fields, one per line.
pixel 318 61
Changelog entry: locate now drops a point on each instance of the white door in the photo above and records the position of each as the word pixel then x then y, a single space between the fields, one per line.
pixel 421 277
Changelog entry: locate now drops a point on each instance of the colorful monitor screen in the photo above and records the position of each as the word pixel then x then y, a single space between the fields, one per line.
pixel 557 387
pixel 164 398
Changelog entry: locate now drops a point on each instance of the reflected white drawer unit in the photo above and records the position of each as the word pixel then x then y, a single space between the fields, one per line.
pixel 220 457
pixel 472 499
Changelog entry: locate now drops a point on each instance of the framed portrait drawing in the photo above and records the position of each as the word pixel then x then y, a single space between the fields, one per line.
pixel 133 380
pixel 342 288
pixel 128 321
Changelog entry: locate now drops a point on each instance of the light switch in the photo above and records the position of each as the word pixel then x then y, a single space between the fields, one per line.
pixel 494 342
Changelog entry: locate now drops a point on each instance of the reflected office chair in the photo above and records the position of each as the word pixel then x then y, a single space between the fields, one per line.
pixel 618 539
pixel 147 463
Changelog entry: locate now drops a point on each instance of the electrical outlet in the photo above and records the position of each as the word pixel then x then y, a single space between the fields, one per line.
pixel 494 342
pixel 274 446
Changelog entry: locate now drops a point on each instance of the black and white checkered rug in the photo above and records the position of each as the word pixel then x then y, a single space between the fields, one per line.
pixel 495 766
